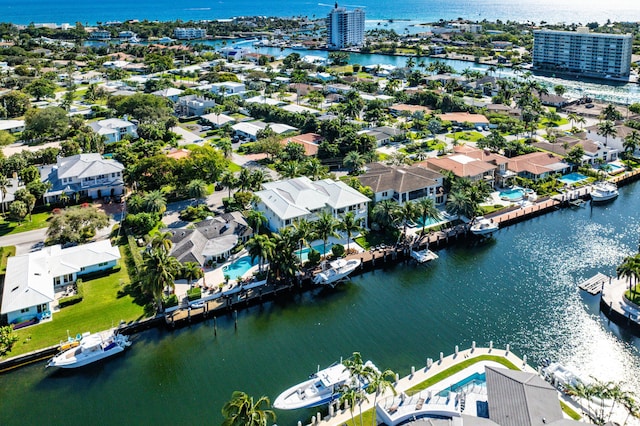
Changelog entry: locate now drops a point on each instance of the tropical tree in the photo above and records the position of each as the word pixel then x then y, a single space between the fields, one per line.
pixel 630 269
pixel 290 170
pixel 360 372
pixel 242 411
pixel 385 213
pixel 229 181
pixel 158 272
pixel 460 204
pixel 630 144
pixel 305 232
pixel 162 241
pixel 407 213
pixel 154 202
pixel 350 224
pixel 197 188
pixel 379 382
pixel 225 146
pixel 354 161
pixel 325 227
pixel 610 113
pixel 244 180
pixel 192 271
pixel 256 219
pixel 261 247
pixel 284 262
pixel 4 189
pixel 607 128
pixel 426 210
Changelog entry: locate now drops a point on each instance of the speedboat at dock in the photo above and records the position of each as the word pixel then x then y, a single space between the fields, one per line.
pixel 321 388
pixel 92 348
pixel 423 256
pixel 483 227
pixel 339 270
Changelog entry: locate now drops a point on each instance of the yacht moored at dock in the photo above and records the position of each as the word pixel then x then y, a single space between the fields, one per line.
pixel 339 270
pixel 321 388
pixel 423 256
pixel 92 348
pixel 483 227
pixel 603 191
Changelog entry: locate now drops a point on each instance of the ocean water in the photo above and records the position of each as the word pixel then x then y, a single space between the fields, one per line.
pixel 92 11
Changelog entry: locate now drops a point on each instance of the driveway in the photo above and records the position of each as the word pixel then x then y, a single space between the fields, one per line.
pixel 187 136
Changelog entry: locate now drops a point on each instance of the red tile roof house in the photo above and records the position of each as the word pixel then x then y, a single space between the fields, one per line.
pixel 459 118
pixel 310 142
pixel 500 161
pixel 537 165
pixel 463 165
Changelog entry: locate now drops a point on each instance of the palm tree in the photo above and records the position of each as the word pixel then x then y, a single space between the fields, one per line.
pixel 630 144
pixel 407 213
pixel 258 177
pixel 242 411
pixel 261 247
pixel 426 209
pixel 225 146
pixel 573 118
pixel 350 224
pixel 154 202
pixel 325 227
pixel 610 113
pixel 197 189
pixel 290 170
pixel 314 169
pixel 354 161
pixel 607 128
pixel 305 232
pixel 460 204
pixel 162 241
pixel 284 262
pixel 4 188
pixel 158 272
pixel 244 180
pixel 256 219
pixel 192 271
pixel 385 213
pixel 630 269
pixel 361 372
pixel 379 382
pixel 229 181
pixel 411 62
pixel 351 396
pixel 632 407
pixel 582 121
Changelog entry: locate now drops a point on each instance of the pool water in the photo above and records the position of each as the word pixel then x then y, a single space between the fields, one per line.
pixel 239 267
pixel 429 222
pixel 304 253
pixel 614 168
pixel 512 194
pixel 467 384
pixel 572 178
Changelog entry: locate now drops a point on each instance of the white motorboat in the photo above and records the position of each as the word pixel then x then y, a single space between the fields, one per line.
pixel 603 191
pixel 92 348
pixel 423 256
pixel 321 388
pixel 482 226
pixel 339 269
pixel 560 375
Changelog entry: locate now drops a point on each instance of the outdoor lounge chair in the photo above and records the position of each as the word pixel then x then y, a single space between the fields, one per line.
pixel 419 404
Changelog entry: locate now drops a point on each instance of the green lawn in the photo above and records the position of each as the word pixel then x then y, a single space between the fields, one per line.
pixel 5 252
pixel 372 239
pixel 100 310
pixel 634 295
pixel 468 136
pixel 39 220
pixel 233 167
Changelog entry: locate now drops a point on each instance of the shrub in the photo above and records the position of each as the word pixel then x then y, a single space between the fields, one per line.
pixel 337 250
pixel 141 223
pixel 194 293
pixel 314 256
pixel 170 301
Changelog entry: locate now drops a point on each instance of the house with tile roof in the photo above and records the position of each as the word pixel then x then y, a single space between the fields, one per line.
pixel 537 165
pixel 402 184
pixel 463 165
pixel 287 201
pixel 594 151
pixel 83 175
pixel 460 118
pixel 211 240
pixel 114 129
pixel 310 142
pixel 32 279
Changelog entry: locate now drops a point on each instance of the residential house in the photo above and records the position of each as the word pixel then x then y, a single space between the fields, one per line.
pixel 462 165
pixel 405 109
pixel 537 165
pixel 217 120
pixel 462 118
pixel 211 240
pixel 594 151
pixel 32 279
pixel 299 109
pixel 310 142
pixel 339 88
pixel 12 126
pixel 228 88
pixel 193 105
pixel 502 173
pixel 384 135
pixel 615 141
pixel 170 93
pixel 14 184
pixel 249 129
pixel 114 129
pixel 402 184
pixel 287 201
pixel 83 175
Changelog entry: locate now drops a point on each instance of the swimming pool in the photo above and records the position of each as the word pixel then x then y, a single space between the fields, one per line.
pixel 614 168
pixel 239 267
pixel 429 222
pixel 572 178
pixel 304 253
pixel 515 194
pixel 467 385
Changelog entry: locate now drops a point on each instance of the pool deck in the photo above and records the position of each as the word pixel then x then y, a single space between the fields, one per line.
pixel 343 416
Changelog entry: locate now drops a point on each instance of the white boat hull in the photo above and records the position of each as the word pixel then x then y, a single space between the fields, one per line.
pixel 340 269
pixel 92 348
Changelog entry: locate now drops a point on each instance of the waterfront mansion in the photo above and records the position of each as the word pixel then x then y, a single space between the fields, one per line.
pixel 287 201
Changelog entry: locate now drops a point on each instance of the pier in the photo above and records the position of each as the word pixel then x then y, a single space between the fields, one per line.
pixel 595 284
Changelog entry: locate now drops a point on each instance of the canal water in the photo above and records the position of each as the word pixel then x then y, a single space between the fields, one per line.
pixel 520 288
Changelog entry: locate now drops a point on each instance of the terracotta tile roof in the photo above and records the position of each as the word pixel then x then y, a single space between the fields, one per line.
pixel 178 154
pixel 460 164
pixel 535 163
pixel 462 117
pixel 480 154
pixel 410 108
pixel 310 142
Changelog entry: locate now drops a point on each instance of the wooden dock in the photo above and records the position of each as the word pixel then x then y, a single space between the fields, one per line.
pixel 594 284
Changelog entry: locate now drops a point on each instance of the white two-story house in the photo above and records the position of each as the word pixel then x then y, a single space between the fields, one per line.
pixel 114 129
pixel 83 176
pixel 287 201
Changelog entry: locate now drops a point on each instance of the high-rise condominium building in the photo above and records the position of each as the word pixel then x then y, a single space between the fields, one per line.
pixel 345 28
pixel 583 53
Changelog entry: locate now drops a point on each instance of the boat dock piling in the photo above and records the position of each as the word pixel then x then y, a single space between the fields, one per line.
pixel 595 284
